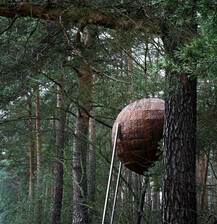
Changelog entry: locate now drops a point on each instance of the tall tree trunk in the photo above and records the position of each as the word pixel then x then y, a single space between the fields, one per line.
pixel 80 209
pixel 31 149
pixel 39 157
pixel 59 166
pixel 156 213
pixel 180 150
pixel 142 201
pixel 179 194
pixel 127 199
pixel 80 214
pixel 137 186
pixel 51 166
pixel 91 190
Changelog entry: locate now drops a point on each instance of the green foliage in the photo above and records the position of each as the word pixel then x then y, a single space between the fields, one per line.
pixel 126 66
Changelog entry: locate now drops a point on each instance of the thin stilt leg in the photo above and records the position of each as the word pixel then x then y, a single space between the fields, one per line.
pixel 110 173
pixel 116 192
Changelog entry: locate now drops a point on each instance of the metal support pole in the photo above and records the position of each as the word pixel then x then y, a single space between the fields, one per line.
pixel 116 192
pixel 110 173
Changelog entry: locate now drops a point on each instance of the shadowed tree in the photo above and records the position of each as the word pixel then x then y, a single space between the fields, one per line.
pixel 60 143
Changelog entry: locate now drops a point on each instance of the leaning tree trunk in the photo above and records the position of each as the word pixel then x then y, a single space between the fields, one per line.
pixel 59 168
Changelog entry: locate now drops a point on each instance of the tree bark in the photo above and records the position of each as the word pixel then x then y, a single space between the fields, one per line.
pixel 180 150
pixel 179 193
pixel 59 168
pixel 50 187
pixel 92 166
pixel 80 213
pixel 80 194
pixel 74 15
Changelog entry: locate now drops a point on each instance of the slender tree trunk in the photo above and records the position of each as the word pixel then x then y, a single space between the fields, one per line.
pixel 80 213
pixel 156 199
pixel 39 157
pixel 141 202
pixel 127 198
pixel 137 186
pixel 80 208
pixel 49 189
pixel 92 166
pixel 213 184
pixel 156 212
pixel 31 149
pixel 204 197
pixel 202 172
pixel 51 165
pixel 129 62
pixel 59 167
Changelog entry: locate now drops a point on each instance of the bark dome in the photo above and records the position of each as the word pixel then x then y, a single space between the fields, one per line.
pixel 141 128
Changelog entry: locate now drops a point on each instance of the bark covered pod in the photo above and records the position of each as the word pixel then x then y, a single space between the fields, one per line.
pixel 141 128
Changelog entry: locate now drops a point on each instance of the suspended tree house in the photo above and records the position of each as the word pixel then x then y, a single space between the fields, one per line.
pixel 140 130
pixel 136 134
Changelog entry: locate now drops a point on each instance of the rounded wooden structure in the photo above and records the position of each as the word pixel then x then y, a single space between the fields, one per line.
pixel 141 128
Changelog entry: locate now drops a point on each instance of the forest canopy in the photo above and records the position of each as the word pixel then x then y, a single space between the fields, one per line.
pixel 67 69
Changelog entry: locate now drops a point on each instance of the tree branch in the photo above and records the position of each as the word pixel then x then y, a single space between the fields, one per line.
pixel 75 15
